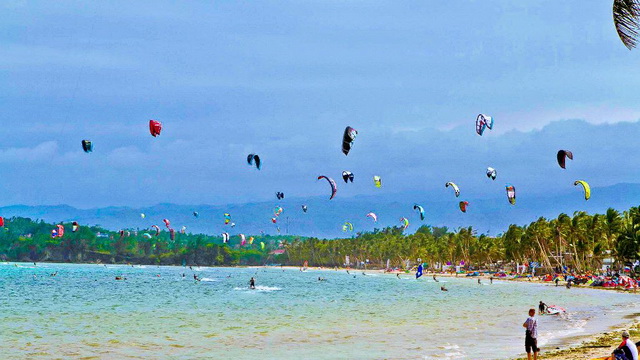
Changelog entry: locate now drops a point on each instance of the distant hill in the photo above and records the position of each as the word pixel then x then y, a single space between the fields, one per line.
pixel 491 214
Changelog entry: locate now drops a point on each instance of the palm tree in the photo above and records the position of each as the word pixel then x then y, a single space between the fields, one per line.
pixel 626 18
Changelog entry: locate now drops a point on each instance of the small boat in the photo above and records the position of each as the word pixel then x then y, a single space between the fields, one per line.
pixel 555 310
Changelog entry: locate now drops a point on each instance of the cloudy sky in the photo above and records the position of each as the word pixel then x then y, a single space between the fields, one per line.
pixel 284 78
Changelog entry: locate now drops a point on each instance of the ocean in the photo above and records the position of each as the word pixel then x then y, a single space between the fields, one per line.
pixel 156 313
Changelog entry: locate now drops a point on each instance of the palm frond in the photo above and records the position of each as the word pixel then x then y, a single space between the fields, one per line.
pixel 626 17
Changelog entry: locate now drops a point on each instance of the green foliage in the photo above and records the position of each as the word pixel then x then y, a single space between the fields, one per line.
pixel 581 241
pixel 24 239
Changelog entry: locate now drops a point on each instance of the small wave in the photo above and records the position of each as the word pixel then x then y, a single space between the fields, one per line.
pixel 209 279
pixel 259 288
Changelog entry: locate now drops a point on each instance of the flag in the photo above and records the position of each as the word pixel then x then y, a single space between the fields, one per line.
pixel 419 272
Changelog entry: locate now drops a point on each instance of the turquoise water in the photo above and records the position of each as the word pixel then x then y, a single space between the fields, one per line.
pixel 83 313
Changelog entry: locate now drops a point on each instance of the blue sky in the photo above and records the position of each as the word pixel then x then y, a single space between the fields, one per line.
pixel 283 79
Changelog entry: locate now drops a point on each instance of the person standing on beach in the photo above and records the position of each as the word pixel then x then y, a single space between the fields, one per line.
pixel 531 335
pixel 627 350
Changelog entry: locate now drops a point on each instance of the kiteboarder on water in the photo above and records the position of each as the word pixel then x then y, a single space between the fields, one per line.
pixel 252 283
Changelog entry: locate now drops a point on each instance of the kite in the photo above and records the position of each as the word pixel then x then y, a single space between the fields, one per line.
pixel 492 173
pixel 348 139
pixel 254 159
pixel 587 188
pixel 483 122
pixel 87 146
pixel 155 127
pixel 454 186
pixel 405 223
pixel 347 226
pixel 420 210
pixel 511 194
pixel 277 211
pixel 377 181
pixel 562 157
pixel 373 216
pixel 347 176
pixel 334 187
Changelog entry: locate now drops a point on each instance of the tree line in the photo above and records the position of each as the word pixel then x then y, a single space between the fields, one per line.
pixel 582 242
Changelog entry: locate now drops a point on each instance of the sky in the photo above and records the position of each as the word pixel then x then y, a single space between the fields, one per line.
pixel 284 78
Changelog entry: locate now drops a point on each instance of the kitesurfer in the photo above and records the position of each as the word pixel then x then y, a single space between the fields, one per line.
pixel 252 283
pixel 195 277
pixel 557 281
pixel 398 275
pixel 490 279
pixel 442 288
pixel 434 278
pixel 479 283
pixel 542 307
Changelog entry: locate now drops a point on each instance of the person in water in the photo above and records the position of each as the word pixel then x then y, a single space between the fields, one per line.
pixel 531 335
pixel 542 307
pixel 252 283
pixel 490 279
pixel 557 281
pixel 479 283
pixel 434 278
pixel 627 350
pixel 195 277
pixel 442 288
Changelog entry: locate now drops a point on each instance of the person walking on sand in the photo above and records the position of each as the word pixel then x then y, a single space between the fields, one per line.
pixel 627 350
pixel 531 335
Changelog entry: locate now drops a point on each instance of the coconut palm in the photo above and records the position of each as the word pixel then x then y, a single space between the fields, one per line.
pixel 626 18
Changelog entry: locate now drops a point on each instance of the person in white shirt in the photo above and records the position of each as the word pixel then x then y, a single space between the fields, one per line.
pixel 627 350
pixel 531 335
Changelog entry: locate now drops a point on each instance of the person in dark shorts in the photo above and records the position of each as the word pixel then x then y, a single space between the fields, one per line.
pixel 531 335
pixel 542 307
pixel 252 283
